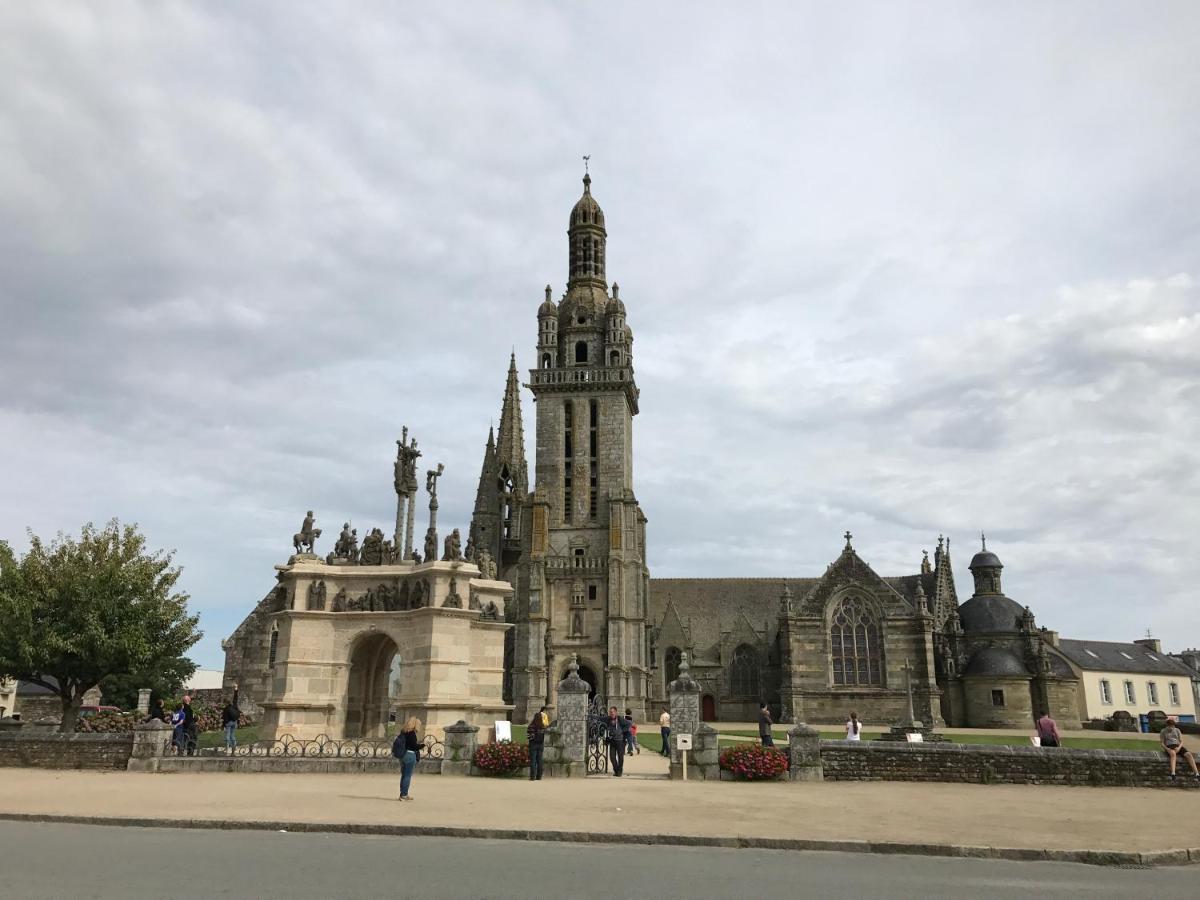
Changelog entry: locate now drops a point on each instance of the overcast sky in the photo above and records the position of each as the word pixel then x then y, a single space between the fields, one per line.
pixel 903 271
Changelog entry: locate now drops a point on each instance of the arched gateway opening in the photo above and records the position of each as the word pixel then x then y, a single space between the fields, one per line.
pixel 368 693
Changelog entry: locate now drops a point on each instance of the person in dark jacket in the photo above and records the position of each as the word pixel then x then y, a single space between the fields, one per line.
pixel 191 732
pixel 618 727
pixel 412 754
pixel 764 726
pixel 536 737
pixel 230 716
pixel 157 711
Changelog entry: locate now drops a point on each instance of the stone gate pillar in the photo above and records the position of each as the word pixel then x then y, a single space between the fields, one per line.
pixel 572 721
pixel 151 741
pixel 804 754
pixel 143 706
pixel 684 694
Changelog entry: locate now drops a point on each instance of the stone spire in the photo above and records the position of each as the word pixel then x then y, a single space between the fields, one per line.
pixel 945 597
pixel 510 443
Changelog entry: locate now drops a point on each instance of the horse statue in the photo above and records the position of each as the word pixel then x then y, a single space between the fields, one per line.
pixel 304 542
pixel 304 539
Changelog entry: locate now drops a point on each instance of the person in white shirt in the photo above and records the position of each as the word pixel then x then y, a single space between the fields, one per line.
pixel 853 728
pixel 664 725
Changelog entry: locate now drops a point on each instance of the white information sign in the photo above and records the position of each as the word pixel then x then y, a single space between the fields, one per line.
pixel 915 737
pixel 503 731
pixel 683 742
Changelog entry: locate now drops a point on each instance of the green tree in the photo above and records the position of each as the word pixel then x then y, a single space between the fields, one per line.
pixel 164 680
pixel 78 611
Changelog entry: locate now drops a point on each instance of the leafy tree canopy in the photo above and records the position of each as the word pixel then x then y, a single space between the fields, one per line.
pixel 165 680
pixel 75 612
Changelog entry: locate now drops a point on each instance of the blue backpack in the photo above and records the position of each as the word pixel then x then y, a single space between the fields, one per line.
pixel 398 746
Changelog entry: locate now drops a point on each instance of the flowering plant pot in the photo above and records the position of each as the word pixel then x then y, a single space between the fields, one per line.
pixel 501 758
pixel 750 762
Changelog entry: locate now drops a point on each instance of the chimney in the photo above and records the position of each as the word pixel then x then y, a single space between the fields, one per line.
pixel 1051 637
pixel 1152 644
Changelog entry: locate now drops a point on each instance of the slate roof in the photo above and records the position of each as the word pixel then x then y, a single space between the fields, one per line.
pixel 29 689
pixel 990 612
pixel 709 606
pixel 997 662
pixel 1109 656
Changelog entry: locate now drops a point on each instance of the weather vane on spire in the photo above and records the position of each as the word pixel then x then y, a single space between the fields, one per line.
pixel 585 164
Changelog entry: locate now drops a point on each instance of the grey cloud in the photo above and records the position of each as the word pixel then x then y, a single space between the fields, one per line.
pixel 881 276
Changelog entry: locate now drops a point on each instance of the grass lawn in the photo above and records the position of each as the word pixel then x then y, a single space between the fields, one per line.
pixel 247 734
pixel 1009 740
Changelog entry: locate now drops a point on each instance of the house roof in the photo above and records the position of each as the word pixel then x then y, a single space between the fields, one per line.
pixel 1108 656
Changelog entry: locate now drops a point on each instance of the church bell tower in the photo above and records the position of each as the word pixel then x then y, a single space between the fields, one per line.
pixel 583 581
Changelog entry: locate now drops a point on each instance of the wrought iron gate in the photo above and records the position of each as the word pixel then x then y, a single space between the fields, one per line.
pixel 597 739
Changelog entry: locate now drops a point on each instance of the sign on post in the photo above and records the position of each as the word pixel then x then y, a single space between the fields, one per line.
pixel 683 743
pixel 503 731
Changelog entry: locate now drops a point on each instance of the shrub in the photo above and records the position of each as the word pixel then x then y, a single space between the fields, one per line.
pixel 754 763
pixel 502 758
pixel 107 723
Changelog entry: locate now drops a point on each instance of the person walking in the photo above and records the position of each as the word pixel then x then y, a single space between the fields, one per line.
pixel 407 748
pixel 664 726
pixel 853 727
pixel 616 741
pixel 536 737
pixel 1047 731
pixel 230 716
pixel 630 733
pixel 1172 742
pixel 764 726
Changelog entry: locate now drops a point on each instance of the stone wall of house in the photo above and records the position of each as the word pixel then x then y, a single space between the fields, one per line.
pixel 39 706
pixel 994 764
pixel 47 750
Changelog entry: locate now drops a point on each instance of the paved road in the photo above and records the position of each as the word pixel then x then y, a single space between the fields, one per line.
pixel 83 861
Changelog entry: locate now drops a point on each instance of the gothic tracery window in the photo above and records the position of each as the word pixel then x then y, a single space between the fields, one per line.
pixel 671 663
pixel 857 646
pixel 743 672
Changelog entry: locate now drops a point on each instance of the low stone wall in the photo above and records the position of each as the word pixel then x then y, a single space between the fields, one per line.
pixel 66 751
pixel 995 764
pixel 289 766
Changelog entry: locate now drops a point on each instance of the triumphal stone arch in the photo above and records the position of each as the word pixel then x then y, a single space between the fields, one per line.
pixel 339 631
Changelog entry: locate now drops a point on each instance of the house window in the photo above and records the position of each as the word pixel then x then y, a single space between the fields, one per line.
pixel 591 592
pixel 997 698
pixel 1152 693
pixel 1130 696
pixel 581 351
pixel 857 649
pixel 743 672
pixel 1173 690
pixel 274 650
pixel 671 665
pixel 1105 692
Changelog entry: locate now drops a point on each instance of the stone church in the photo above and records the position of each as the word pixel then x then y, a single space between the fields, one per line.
pixel 573 545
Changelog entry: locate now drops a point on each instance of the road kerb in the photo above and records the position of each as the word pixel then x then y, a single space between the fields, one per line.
pixel 1154 858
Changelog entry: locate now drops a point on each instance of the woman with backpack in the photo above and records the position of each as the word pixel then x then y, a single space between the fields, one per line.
pixel 407 748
